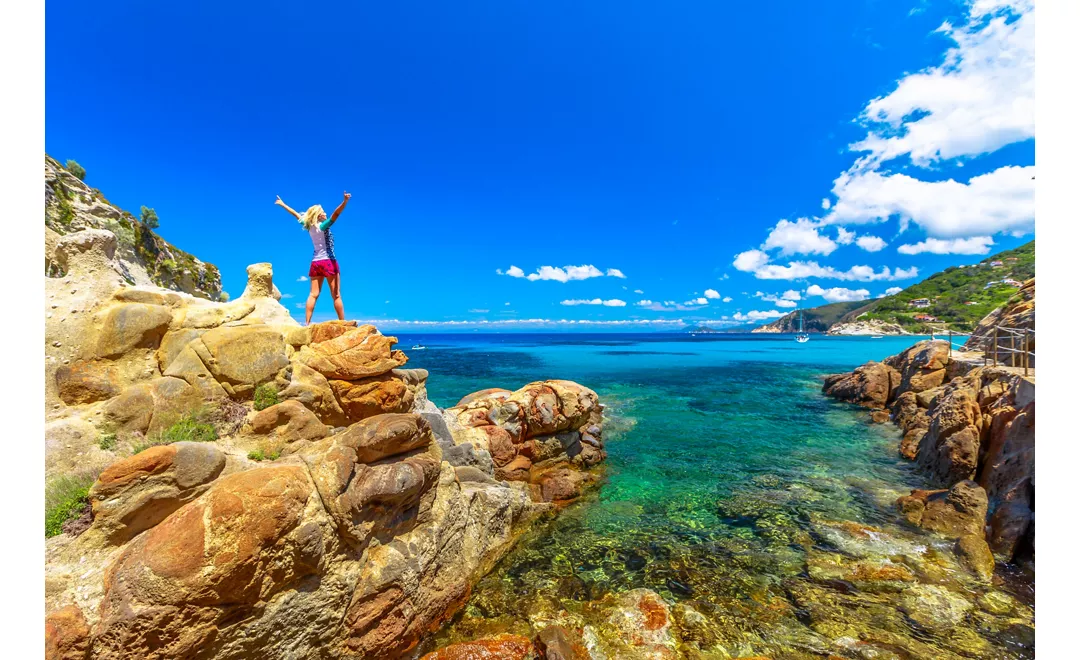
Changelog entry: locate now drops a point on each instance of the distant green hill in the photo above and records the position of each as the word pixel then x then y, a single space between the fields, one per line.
pixel 950 290
pixel 948 293
pixel 815 319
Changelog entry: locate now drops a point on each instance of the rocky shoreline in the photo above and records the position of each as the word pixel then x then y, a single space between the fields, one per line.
pixel 346 516
pixel 971 430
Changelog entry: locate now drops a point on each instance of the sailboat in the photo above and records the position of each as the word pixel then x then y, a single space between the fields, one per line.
pixel 801 336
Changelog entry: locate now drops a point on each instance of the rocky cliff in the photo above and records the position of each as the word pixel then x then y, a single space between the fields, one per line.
pixel 262 489
pixel 142 257
pixel 867 327
pixel 971 429
pixel 1016 314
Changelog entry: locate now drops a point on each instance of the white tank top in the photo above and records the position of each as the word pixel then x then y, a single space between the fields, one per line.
pixel 323 242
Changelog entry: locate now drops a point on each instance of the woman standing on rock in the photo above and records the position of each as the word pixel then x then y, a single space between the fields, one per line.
pixel 324 264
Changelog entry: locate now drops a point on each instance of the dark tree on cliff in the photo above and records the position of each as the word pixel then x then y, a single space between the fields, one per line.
pixel 149 217
pixel 78 170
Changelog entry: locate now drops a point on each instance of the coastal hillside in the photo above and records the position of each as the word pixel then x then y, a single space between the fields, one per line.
pixel 143 257
pixel 956 298
pixel 815 319
pixel 959 296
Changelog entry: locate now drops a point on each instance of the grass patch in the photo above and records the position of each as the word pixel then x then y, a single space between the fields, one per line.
pixel 107 441
pixel 65 499
pixel 192 427
pixel 266 395
pixel 259 455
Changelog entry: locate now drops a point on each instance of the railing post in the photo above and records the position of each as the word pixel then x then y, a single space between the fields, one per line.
pixel 995 345
pixel 950 343
pixel 1012 350
pixel 1027 347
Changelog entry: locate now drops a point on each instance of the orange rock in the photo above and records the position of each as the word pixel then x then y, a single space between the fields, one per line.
pixel 360 399
pixel 501 647
pixel 359 353
pixel 490 393
pixel 67 637
pixel 328 330
pixel 87 381
pixel 290 420
pixel 515 470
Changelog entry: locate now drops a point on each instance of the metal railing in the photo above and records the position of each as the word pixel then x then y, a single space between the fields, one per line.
pixel 1011 347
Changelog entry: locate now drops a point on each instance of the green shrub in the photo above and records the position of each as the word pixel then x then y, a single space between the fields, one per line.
pixel 266 395
pixel 149 217
pixel 223 296
pixel 189 428
pixel 78 170
pixel 259 455
pixel 107 441
pixel 66 498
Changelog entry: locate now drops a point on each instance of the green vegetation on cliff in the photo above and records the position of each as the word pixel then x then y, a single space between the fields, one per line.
pixel 815 319
pixel 950 292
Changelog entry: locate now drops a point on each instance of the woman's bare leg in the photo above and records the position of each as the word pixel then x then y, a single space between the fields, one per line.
pixel 316 288
pixel 335 291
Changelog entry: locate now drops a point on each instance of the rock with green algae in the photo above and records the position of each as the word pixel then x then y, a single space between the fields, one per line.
pixel 933 608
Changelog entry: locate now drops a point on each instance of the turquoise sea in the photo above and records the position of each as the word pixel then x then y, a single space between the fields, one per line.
pixel 734 487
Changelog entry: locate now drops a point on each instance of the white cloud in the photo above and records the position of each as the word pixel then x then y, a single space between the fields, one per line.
pixel 726 299
pixel 638 291
pixel 302 278
pixel 614 302
pixel 758 315
pixel 558 323
pixel 871 243
pixel 891 291
pixel 798 270
pixel 712 293
pixel 844 237
pixel 838 294
pixel 1000 201
pixel 286 295
pixel 563 274
pixel 979 99
pixel 479 311
pixel 973 245
pixel 506 304
pixel 698 301
pixel 750 260
pixel 825 203
pixel 791 294
pixel 799 237
pixel 786 303
pixel 512 271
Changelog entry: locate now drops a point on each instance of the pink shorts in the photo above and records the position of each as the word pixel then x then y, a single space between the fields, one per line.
pixel 324 268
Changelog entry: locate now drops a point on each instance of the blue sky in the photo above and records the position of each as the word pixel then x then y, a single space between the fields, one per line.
pixel 693 162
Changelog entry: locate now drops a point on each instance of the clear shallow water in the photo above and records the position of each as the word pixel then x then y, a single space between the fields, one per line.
pixel 733 487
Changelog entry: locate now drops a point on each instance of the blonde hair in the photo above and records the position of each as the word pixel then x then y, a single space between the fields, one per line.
pixel 311 216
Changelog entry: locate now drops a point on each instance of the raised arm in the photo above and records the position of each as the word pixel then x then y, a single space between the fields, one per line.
pixel 286 207
pixel 334 216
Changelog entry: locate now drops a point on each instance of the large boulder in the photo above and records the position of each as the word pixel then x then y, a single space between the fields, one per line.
pixel 151 406
pixel 309 387
pixel 950 449
pixel 242 357
pixel 366 397
pixel 1009 478
pixel 127 326
pixel 381 499
pixel 921 367
pixel 289 421
pixel 359 353
pixel 87 381
pixel 872 385
pixel 136 493
pixel 67 635
pixel 956 512
pixel 212 563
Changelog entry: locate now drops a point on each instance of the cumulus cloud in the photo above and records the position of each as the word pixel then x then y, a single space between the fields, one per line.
pixel 562 274
pixel 871 243
pixel 979 99
pixel 838 294
pixel 791 294
pixel 844 237
pixel 750 260
pixel 826 203
pixel 787 299
pixel 973 245
pixel 758 315
pixel 302 278
pixel 286 295
pixel 726 299
pixel 712 293
pixel 891 291
pixel 999 201
pixel 786 303
pixel 698 301
pixel 614 302
pixel 638 291
pixel 798 270
pixel 799 237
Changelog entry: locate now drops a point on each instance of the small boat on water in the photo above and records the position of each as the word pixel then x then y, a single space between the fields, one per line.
pixel 876 337
pixel 418 347
pixel 801 336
